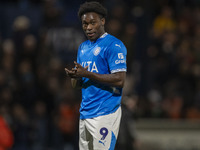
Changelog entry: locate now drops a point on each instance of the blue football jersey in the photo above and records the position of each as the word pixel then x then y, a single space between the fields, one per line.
pixel 104 56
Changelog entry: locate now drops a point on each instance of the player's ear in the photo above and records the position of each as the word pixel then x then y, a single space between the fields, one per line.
pixel 103 21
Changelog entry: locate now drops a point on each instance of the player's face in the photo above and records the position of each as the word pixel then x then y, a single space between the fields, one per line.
pixel 93 25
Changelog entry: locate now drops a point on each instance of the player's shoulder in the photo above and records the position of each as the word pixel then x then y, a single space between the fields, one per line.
pixel 115 42
pixel 113 38
pixel 84 44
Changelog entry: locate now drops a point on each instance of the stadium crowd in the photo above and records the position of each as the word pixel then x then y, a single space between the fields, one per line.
pixel 38 39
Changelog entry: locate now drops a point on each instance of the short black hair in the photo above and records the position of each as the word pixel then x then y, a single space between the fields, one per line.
pixel 92 6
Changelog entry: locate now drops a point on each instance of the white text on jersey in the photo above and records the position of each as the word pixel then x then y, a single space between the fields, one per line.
pixel 91 66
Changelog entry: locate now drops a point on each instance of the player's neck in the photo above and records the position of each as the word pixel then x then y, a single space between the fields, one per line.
pixel 103 34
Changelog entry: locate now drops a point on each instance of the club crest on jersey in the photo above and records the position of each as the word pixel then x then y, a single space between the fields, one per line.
pixel 97 51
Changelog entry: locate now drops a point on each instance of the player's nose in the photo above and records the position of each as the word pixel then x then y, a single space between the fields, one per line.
pixel 89 27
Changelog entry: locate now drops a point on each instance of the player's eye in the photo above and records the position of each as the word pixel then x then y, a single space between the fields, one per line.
pixel 93 23
pixel 84 24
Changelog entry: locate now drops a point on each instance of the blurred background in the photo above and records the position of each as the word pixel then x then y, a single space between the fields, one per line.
pixel 39 110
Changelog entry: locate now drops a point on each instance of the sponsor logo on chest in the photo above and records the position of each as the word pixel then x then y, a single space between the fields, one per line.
pixel 92 67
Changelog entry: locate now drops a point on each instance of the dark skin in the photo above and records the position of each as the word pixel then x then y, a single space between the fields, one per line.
pixel 93 26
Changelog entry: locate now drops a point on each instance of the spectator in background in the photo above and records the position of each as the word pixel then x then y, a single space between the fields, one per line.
pixel 40 134
pixel 21 28
pixel 30 49
pixel 21 128
pixel 128 139
pixel 52 14
pixel 7 63
pixel 6 134
pixel 26 77
pixel 164 22
pixel 129 38
pixel 114 27
pixel 8 56
pixel 68 121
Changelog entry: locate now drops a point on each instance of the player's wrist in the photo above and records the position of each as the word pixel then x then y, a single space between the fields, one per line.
pixel 87 74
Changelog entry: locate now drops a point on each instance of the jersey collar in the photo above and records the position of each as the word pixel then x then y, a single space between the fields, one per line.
pixel 101 37
pixel 104 35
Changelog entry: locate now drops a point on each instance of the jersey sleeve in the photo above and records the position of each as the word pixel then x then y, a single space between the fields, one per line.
pixel 116 57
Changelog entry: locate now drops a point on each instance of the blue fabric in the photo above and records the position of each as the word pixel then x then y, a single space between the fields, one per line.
pixel 113 142
pixel 104 56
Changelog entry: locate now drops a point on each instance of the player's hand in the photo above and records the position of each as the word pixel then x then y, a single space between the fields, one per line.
pixel 77 72
pixel 80 70
pixel 71 73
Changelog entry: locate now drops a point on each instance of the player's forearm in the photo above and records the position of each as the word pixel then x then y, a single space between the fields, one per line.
pixel 115 79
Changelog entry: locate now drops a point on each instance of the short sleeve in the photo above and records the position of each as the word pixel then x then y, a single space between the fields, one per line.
pixel 116 57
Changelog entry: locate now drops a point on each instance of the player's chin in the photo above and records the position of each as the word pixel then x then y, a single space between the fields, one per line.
pixel 92 38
